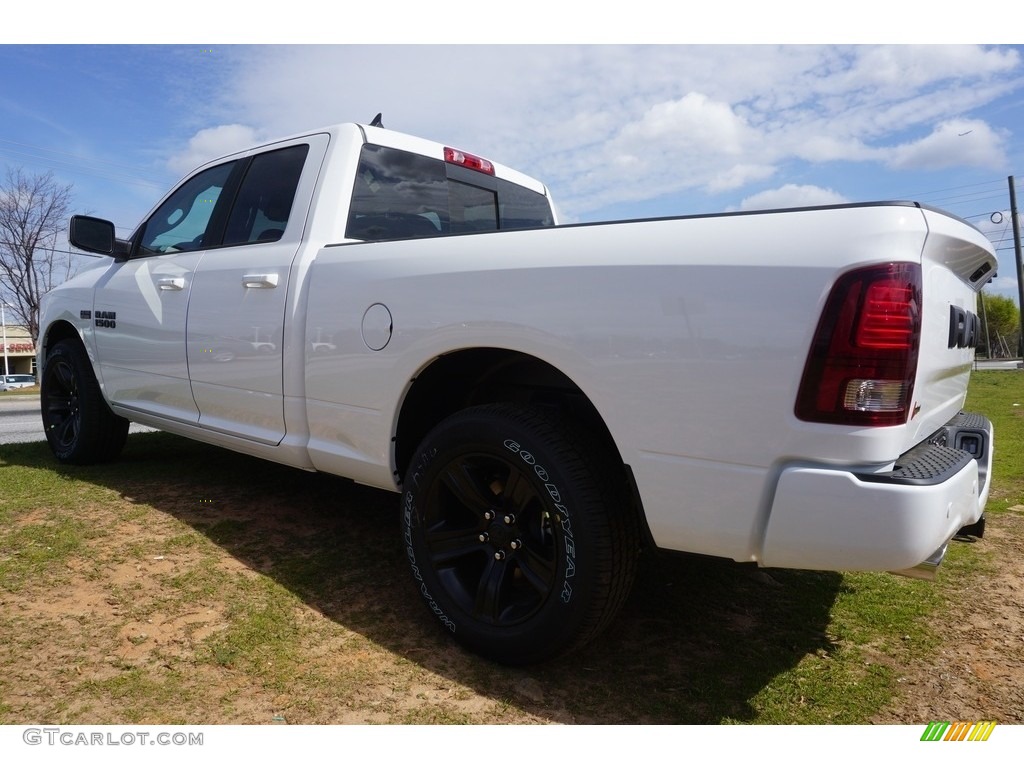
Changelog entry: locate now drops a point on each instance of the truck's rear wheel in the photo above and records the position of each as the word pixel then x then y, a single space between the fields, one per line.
pixel 518 540
pixel 79 425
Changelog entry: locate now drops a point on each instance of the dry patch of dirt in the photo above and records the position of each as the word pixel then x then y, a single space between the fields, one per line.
pixel 132 632
pixel 978 671
pixel 191 613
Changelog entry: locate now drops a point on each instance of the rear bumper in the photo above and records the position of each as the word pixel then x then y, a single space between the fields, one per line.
pixel 828 518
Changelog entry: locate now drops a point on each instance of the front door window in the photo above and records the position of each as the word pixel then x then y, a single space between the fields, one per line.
pixel 182 222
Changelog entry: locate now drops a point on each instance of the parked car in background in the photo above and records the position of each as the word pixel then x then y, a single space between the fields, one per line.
pixel 16 381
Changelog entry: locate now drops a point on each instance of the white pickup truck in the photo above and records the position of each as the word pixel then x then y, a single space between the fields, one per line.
pixel 781 387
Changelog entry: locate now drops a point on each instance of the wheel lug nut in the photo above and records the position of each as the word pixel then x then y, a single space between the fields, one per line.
pixel 499 555
pixel 515 544
pixel 509 519
pixel 489 515
pixel 484 538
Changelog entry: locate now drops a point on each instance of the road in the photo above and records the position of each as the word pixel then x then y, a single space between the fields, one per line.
pixel 996 365
pixel 20 421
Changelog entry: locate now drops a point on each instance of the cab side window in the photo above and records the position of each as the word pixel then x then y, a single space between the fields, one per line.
pixel 264 201
pixel 523 208
pixel 183 221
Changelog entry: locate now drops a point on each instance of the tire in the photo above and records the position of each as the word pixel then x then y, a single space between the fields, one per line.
pixel 519 542
pixel 79 425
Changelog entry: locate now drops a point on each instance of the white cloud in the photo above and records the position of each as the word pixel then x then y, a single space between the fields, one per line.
pixel 901 66
pixel 608 124
pixel 823 149
pixel 792 196
pixel 738 176
pixel 692 142
pixel 704 125
pixel 211 143
pixel 953 143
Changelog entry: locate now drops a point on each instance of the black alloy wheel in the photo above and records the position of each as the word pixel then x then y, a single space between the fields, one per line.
pixel 79 425
pixel 516 531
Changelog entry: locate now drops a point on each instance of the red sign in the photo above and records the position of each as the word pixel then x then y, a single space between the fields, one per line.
pixel 19 347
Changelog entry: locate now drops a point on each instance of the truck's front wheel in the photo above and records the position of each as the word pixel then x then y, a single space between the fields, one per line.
pixel 79 426
pixel 519 542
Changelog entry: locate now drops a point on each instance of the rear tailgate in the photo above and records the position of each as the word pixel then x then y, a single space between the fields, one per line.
pixel 956 262
pixel 899 516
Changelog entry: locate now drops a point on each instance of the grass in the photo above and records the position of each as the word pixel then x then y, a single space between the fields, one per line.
pixel 33 550
pixel 188 584
pixel 1000 396
pixel 22 391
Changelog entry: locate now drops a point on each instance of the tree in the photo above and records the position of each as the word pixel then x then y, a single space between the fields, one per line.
pixel 33 213
pixel 1003 319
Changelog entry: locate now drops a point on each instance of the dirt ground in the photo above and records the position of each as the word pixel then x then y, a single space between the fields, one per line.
pixel 130 631
pixel 978 673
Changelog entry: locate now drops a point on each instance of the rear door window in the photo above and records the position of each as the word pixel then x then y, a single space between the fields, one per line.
pixel 264 201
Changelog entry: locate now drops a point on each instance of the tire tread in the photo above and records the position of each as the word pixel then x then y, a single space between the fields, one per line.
pixel 599 483
pixel 102 433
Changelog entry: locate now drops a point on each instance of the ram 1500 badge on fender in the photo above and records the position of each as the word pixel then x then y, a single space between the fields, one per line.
pixel 781 387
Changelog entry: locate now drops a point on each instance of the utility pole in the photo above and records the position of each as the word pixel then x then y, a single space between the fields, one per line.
pixel 1020 269
pixel 984 320
pixel 3 322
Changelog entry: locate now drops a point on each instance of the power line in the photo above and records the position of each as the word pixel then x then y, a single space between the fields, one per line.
pixel 962 186
pixel 994 190
pixel 99 168
pixel 132 168
pixel 994 194
pixel 99 173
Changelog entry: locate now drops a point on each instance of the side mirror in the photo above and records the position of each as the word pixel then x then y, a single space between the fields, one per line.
pixel 96 236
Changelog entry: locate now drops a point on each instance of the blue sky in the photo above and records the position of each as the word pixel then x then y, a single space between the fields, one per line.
pixel 616 131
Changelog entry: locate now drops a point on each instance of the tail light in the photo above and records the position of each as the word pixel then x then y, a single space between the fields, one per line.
pixel 863 360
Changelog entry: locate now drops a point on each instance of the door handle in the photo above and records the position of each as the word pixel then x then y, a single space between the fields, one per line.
pixel 171 283
pixel 260 281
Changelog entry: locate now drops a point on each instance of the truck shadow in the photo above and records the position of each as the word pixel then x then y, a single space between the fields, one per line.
pixel 697 641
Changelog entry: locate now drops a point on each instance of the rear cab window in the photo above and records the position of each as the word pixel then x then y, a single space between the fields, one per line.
pixel 399 195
